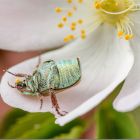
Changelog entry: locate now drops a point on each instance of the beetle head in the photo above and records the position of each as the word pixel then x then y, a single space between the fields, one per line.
pixel 21 86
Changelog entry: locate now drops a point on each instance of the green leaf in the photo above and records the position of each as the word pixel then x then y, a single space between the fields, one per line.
pixel 75 133
pixel 136 115
pixel 111 124
pixel 39 125
pixel 10 119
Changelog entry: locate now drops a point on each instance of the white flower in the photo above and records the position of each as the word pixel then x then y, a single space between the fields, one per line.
pixel 105 36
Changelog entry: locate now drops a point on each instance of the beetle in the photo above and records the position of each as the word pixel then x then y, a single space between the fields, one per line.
pixel 48 78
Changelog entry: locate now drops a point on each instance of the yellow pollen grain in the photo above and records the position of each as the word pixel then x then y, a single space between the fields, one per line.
pixel 58 10
pixel 60 25
pixel 120 33
pixel 64 18
pixel 70 14
pixel 71 37
pixel 83 32
pixel 66 39
pixel 73 24
pixel 72 28
pixel 80 1
pixel 128 36
pixel 17 80
pixel 83 36
pixel 97 5
pixel 80 21
pixel 69 1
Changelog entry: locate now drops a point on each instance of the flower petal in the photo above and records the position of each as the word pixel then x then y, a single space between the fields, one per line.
pixel 105 62
pixel 129 97
pixel 30 24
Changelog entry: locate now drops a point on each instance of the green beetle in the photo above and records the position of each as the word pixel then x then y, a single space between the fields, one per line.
pixel 48 78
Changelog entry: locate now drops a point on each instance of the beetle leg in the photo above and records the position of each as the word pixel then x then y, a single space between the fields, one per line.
pixel 41 100
pixel 55 104
pixel 39 61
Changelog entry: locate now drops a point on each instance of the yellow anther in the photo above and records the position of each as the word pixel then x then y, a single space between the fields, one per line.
pixel 71 37
pixel 80 21
pixel 72 28
pixel 60 25
pixel 128 36
pixel 66 39
pixel 120 33
pixel 17 80
pixel 58 10
pixel 73 24
pixel 83 36
pixel 64 19
pixel 97 5
pixel 80 1
pixel 83 32
pixel 70 14
pixel 69 1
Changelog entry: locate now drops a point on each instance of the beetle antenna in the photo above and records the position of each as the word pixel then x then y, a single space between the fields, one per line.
pixel 9 72
pixel 17 74
pixel 11 85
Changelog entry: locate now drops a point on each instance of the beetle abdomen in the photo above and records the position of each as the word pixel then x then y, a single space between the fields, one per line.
pixel 58 75
pixel 69 72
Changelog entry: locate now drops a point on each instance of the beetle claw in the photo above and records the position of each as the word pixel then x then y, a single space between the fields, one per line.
pixel 56 106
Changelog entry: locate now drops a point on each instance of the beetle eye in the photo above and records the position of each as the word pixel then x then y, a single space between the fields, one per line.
pixel 21 84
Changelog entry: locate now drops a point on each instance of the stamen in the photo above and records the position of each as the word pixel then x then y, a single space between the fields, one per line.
pixel 97 5
pixel 73 26
pixel 114 12
pixel 58 10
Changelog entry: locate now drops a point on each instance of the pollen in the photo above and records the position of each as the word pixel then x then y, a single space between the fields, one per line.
pixel 69 1
pixel 74 25
pixel 114 12
pixel 64 18
pixel 17 80
pixel 97 5
pixel 120 33
pixel 69 38
pixel 60 25
pixel 58 10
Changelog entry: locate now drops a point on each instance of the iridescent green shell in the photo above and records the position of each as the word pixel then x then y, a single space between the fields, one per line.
pixel 54 75
pixel 69 72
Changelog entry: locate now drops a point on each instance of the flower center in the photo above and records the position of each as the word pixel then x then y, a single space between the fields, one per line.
pixel 112 11
pixel 85 15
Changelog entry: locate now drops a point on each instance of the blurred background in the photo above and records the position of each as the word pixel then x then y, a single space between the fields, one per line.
pixel 103 122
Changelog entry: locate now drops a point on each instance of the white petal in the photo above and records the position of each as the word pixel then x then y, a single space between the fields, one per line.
pixel 30 24
pixel 105 62
pixel 129 97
